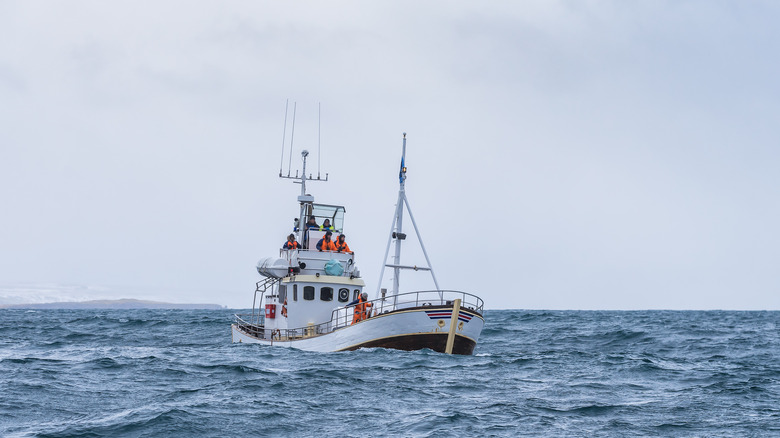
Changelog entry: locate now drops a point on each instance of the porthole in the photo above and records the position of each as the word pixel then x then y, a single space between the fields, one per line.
pixel 344 295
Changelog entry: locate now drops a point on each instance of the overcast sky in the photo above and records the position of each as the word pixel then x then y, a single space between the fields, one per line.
pixel 561 154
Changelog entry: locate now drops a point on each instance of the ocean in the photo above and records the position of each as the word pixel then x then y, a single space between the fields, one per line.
pixel 175 373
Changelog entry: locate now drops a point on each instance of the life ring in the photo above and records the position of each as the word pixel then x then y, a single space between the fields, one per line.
pixel 284 308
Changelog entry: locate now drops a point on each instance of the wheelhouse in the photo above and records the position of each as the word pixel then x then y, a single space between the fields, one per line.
pixel 335 213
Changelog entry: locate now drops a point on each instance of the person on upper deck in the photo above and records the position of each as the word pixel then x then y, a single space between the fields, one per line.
pixel 341 245
pixel 291 243
pixel 325 244
pixel 312 223
pixel 326 226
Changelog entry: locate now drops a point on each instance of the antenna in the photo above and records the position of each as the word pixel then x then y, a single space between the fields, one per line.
pixel 306 201
pixel 281 160
pixel 292 138
pixel 302 177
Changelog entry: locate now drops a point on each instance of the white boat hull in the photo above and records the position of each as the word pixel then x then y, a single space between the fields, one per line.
pixel 408 329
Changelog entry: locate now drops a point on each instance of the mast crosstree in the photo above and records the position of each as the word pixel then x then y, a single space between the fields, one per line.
pixel 305 200
pixel 397 234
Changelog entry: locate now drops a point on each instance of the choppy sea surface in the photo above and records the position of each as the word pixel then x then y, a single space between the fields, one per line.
pixel 155 373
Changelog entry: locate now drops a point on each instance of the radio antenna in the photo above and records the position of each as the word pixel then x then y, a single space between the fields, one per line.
pixel 303 177
pixel 281 160
pixel 292 138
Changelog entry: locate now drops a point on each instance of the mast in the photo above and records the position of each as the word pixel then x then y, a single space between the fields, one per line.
pixel 304 154
pixel 306 201
pixel 397 234
pixel 399 219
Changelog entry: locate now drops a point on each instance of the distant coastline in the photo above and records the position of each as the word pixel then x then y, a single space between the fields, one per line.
pixel 124 303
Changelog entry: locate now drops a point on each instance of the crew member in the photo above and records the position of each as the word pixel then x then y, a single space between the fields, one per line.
pixel 341 245
pixel 326 226
pixel 291 243
pixel 325 244
pixel 310 225
pixel 362 308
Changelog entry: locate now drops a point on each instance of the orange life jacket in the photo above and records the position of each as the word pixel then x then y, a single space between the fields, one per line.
pixel 362 310
pixel 327 245
pixel 343 247
pixel 292 245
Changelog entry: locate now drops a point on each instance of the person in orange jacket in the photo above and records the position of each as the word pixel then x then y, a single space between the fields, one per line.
pixel 325 244
pixel 362 308
pixel 291 243
pixel 341 245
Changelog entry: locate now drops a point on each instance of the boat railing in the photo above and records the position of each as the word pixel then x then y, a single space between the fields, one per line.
pixel 314 254
pixel 428 298
pixel 280 334
pixel 313 259
pixel 252 327
pixel 262 288
pixel 343 316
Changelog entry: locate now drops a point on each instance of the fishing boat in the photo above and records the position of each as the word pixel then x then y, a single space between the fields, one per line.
pixel 314 299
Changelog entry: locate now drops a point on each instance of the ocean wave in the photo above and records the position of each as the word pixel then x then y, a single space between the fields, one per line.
pixel 125 423
pixel 535 373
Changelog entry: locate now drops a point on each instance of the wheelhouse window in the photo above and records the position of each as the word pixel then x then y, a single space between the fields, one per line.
pixel 326 294
pixel 356 294
pixel 282 292
pixel 343 295
pixel 308 293
pixel 333 212
pixel 295 292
